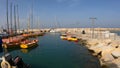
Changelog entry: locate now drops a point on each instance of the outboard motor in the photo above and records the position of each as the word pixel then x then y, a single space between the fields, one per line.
pixel 9 59
pixel 19 62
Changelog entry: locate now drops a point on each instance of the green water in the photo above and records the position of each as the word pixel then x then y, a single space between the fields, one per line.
pixel 52 52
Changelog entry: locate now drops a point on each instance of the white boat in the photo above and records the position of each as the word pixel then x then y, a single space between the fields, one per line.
pixel 52 31
pixel 63 36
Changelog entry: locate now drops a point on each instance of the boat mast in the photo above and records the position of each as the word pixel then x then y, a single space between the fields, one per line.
pixel 11 16
pixel 18 19
pixel 15 19
pixel 38 23
pixel 7 16
pixel 28 25
pixel 32 16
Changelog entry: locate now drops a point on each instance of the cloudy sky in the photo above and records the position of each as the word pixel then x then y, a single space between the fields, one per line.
pixel 65 13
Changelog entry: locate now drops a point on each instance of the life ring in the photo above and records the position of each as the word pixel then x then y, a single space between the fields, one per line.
pixel 5 64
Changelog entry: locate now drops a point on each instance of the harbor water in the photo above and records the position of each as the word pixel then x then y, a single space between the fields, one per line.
pixel 52 52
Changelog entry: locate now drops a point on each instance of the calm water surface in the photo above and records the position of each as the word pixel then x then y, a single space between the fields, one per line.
pixel 52 52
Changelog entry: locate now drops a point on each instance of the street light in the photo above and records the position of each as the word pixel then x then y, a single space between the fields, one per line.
pixel 93 20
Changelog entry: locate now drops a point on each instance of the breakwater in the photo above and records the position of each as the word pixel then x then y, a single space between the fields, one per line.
pixel 102 44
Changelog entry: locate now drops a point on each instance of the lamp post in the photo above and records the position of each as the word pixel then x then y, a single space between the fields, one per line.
pixel 93 20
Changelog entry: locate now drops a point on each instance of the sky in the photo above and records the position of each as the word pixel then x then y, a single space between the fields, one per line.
pixel 65 13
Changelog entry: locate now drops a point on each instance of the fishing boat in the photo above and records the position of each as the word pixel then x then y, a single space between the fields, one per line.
pixel 28 43
pixel 12 42
pixel 72 38
pixel 28 50
pixel 26 35
pixel 63 36
pixel 9 62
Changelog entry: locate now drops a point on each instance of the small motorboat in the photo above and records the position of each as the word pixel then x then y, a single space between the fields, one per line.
pixel 28 43
pixel 63 36
pixel 9 62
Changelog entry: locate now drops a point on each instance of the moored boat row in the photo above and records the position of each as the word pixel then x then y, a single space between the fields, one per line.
pixel 17 41
pixel 22 44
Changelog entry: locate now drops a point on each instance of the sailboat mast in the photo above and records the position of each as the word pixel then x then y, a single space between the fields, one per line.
pixel 38 23
pixel 15 19
pixel 7 16
pixel 28 25
pixel 11 16
pixel 32 16
pixel 18 20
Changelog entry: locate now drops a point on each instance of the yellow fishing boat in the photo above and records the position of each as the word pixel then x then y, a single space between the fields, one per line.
pixel 72 39
pixel 28 44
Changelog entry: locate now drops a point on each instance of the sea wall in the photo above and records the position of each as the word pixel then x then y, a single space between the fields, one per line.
pixel 102 44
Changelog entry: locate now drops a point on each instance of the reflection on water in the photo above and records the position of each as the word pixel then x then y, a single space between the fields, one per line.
pixel 24 50
pixel 19 49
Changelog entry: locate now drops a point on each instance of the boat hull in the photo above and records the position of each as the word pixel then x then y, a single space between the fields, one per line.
pixel 11 45
pixel 29 44
pixel 63 37
pixel 72 39
pixel 25 46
